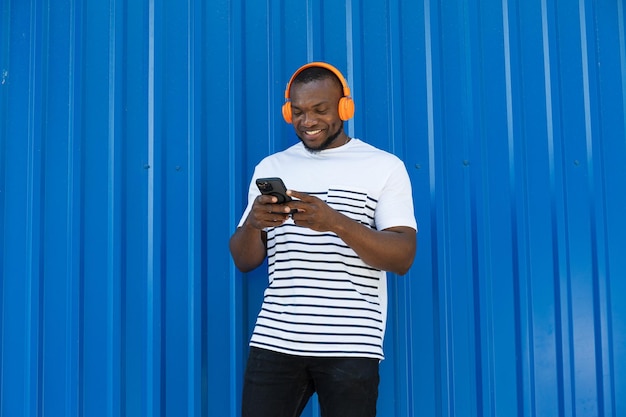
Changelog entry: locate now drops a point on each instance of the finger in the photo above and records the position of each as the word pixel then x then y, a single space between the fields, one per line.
pixel 267 199
pixel 299 195
pixel 275 208
pixel 295 206
pixel 276 219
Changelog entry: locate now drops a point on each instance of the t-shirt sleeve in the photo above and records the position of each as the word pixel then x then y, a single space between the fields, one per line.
pixel 395 204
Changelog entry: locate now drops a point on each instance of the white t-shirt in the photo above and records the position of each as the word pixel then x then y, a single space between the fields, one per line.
pixel 322 299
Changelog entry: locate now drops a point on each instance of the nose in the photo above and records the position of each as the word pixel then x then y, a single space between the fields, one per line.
pixel 309 119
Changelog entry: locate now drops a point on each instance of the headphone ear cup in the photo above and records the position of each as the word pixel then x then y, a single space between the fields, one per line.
pixel 287 112
pixel 346 108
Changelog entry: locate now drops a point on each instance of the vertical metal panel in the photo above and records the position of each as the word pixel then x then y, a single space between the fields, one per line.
pixel 128 134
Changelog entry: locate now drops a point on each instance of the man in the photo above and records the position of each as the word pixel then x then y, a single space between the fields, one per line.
pixel 322 322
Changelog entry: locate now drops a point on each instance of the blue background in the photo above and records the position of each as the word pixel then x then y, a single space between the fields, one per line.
pixel 128 134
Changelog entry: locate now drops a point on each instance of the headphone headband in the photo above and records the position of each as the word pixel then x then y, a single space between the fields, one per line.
pixel 344 84
pixel 346 105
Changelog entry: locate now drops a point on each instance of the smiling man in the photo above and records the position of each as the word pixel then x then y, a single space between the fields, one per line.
pixel 312 107
pixel 322 322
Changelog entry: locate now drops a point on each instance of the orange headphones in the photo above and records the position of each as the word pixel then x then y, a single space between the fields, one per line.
pixel 346 104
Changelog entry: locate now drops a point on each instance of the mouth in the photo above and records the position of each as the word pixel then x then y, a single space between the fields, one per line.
pixel 312 133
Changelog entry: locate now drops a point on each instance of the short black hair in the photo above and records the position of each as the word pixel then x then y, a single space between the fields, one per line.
pixel 317 74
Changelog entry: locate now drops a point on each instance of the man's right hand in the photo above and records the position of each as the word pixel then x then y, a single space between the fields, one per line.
pixel 266 212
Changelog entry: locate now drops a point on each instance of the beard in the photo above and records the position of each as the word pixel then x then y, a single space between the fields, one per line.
pixel 324 145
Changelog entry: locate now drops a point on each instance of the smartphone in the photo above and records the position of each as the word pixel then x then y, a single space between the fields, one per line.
pixel 273 186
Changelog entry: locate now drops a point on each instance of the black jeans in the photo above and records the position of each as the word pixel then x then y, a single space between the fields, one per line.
pixel 279 385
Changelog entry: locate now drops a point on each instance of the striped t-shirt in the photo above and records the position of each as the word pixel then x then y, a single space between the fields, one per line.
pixel 322 299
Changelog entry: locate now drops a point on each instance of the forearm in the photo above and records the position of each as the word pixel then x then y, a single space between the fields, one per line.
pixel 390 250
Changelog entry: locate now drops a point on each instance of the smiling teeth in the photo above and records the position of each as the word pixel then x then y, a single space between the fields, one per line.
pixel 312 132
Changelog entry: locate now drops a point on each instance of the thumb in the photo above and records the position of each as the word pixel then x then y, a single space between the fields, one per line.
pixel 299 195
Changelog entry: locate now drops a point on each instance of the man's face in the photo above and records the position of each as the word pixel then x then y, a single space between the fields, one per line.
pixel 315 116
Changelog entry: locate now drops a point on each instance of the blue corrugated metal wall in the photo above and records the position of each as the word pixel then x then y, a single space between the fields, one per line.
pixel 128 133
